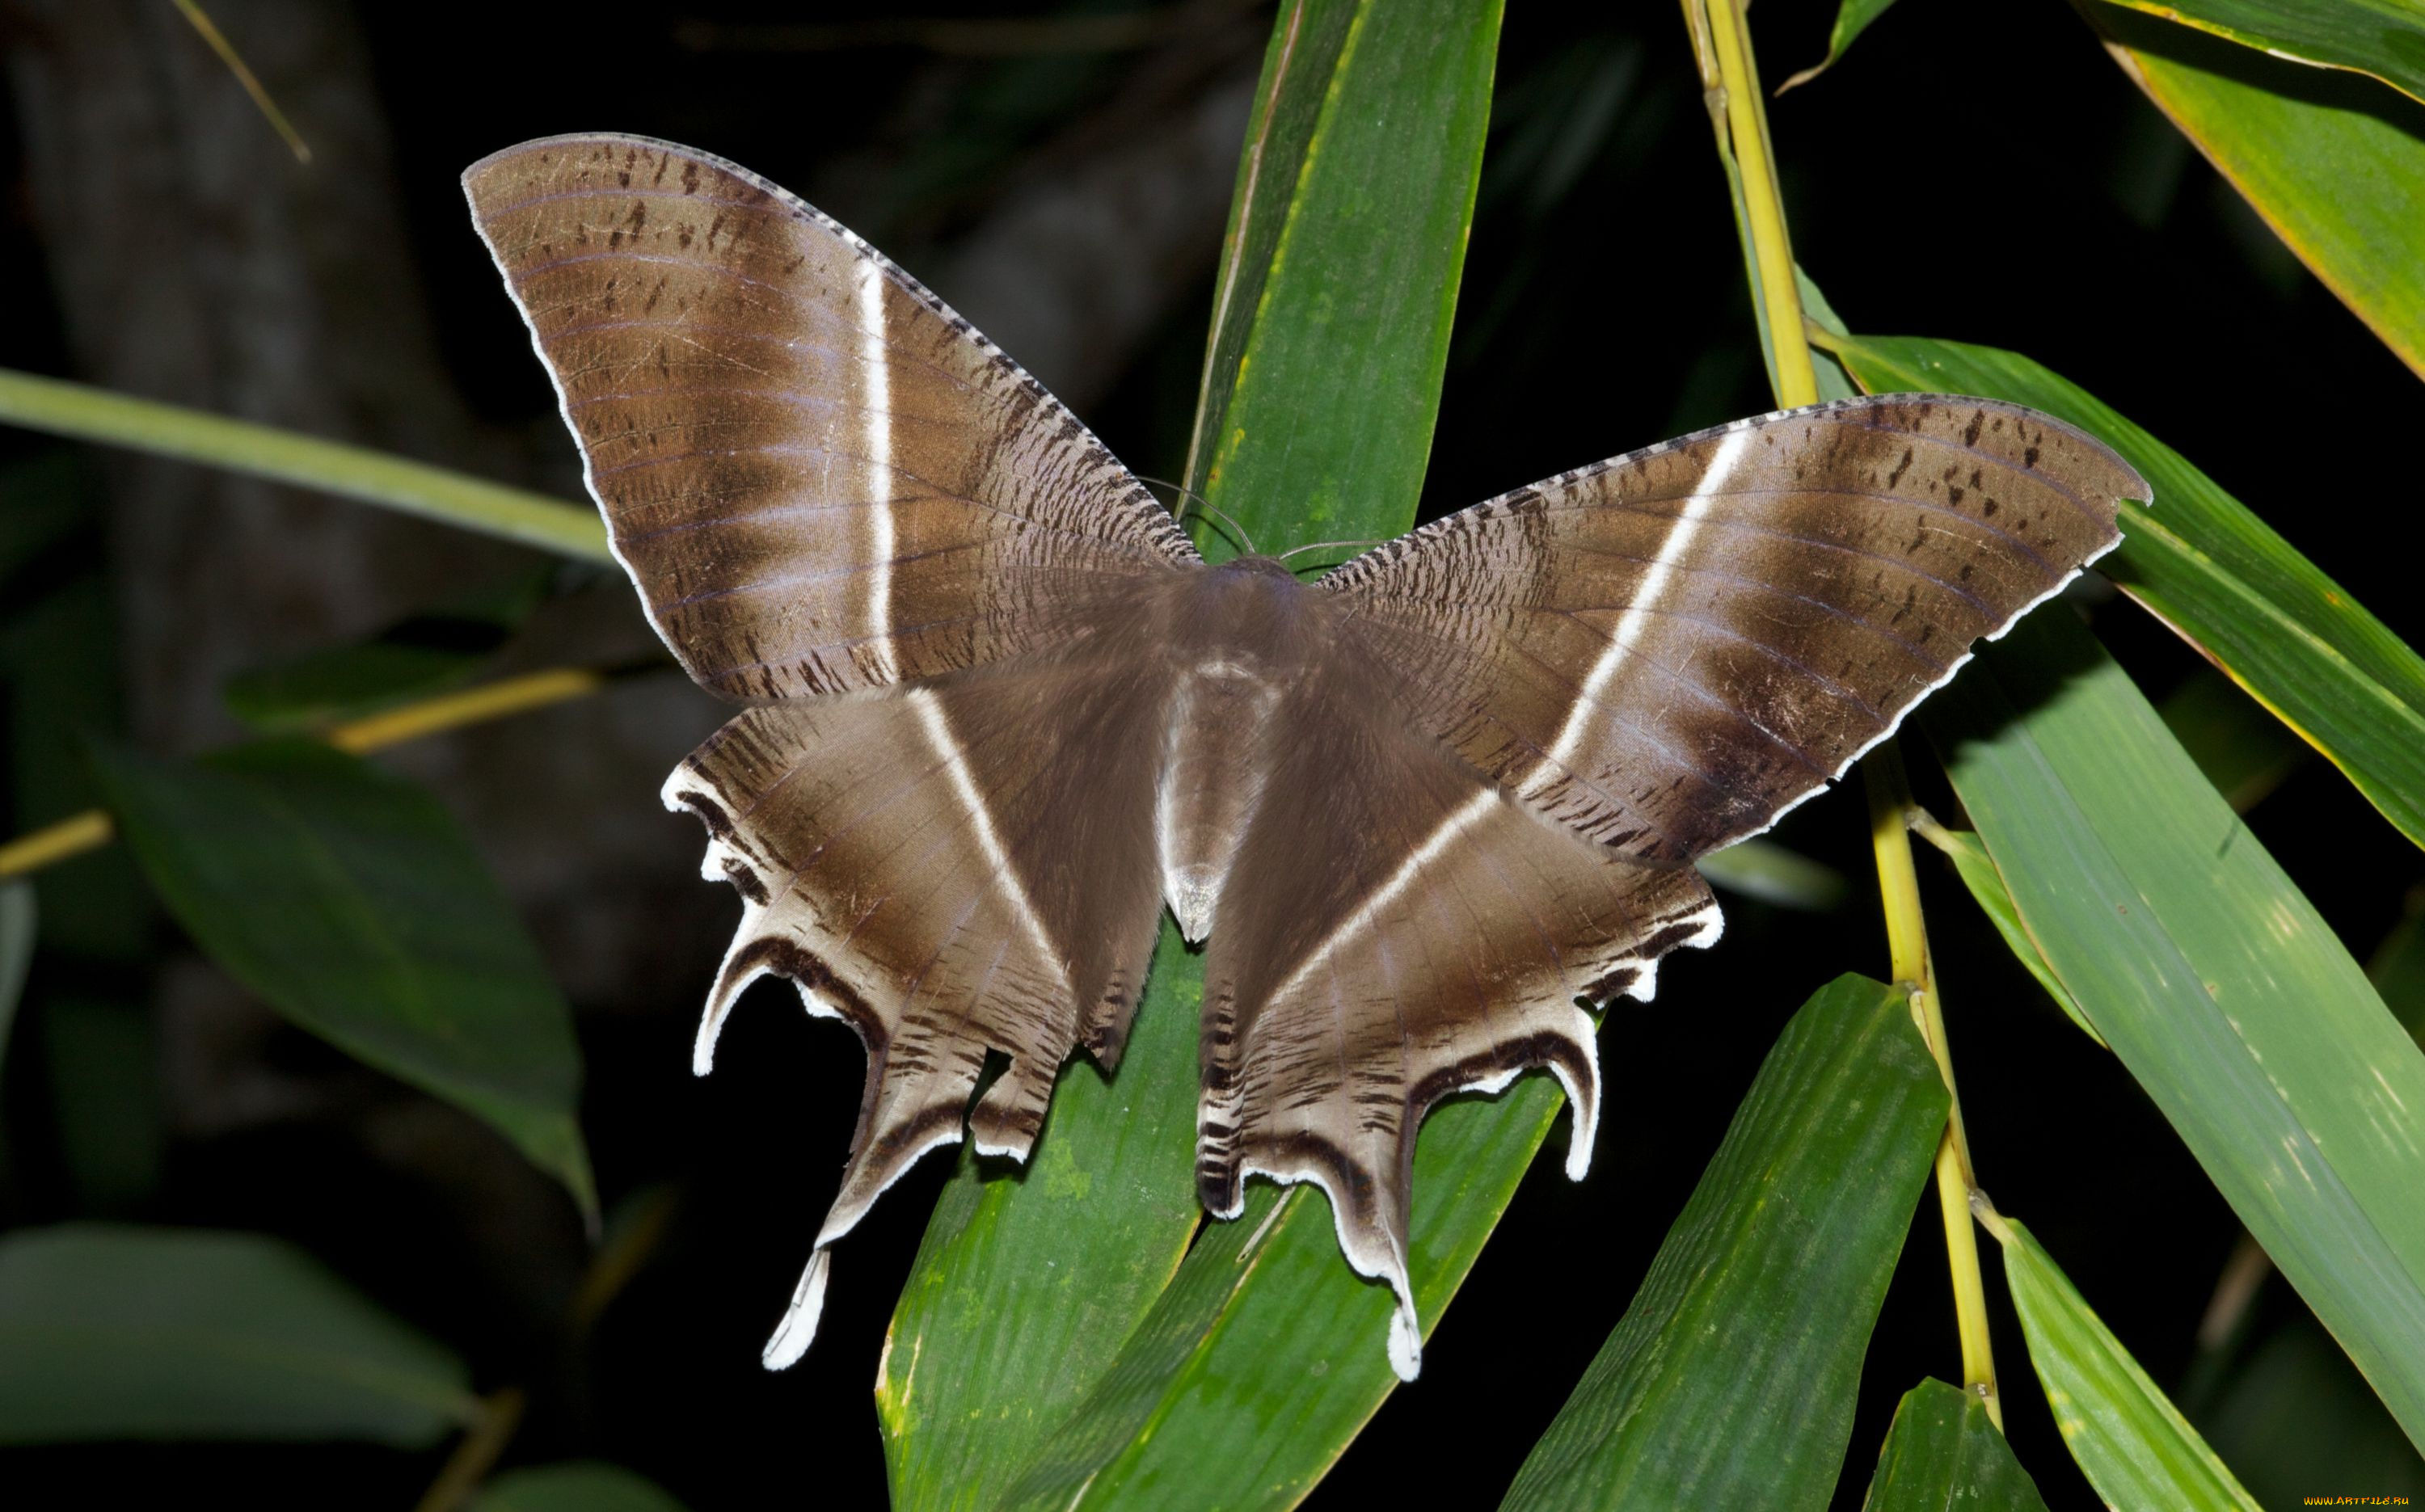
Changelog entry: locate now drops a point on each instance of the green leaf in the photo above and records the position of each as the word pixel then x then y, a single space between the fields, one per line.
pixel 2398 967
pixel 2134 1447
pixel 2384 38
pixel 2222 578
pixel 2211 975
pixel 101 1055
pixel 1978 872
pixel 1347 236
pixel 111 1333
pixel 352 902
pixel 1942 1452
pixel 89 414
pixel 1772 874
pixel 17 930
pixel 1263 1310
pixel 579 1486
pixel 2235 740
pixel 1025 1287
pixel 2292 1415
pixel 1703 1395
pixel 421 654
pixel 2335 165
pixel 1853 17
pixel 1360 168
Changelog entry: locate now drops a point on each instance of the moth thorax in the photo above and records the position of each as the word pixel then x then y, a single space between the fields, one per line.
pixel 1213 762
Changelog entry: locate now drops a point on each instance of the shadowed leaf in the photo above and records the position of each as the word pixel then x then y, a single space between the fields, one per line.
pixel 352 902
pixel 109 1333
pixel 582 1485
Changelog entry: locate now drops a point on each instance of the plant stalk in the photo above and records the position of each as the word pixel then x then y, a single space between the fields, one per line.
pixel 92 828
pixel 356 473
pixel 1722 39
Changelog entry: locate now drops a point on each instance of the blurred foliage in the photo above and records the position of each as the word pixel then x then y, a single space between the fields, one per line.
pixel 2130 828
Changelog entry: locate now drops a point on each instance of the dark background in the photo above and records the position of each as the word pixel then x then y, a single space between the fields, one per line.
pixel 1974 170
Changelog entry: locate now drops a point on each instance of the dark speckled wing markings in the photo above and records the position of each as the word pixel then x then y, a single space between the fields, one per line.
pixel 824 482
pixel 1668 650
pixel 819 477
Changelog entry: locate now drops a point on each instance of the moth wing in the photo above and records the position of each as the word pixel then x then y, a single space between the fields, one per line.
pixel 963 869
pixel 1668 650
pixel 819 477
pixel 1397 929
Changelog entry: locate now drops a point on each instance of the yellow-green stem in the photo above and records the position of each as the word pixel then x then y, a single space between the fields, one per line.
pixel 1797 381
pixel 92 828
pixel 1890 807
pixel 501 1413
pixel 1723 40
pixel 356 473
pixel 201 23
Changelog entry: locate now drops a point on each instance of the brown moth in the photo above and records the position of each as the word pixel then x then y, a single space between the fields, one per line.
pixel 997 711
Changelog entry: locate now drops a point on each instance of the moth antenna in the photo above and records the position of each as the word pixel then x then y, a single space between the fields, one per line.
pixel 1319 546
pixel 1189 496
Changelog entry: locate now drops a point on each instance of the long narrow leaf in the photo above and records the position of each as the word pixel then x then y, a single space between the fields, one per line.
pixel 2212 570
pixel 2384 38
pixel 355 905
pixel 1978 872
pixel 110 1332
pixel 2335 163
pixel 1348 238
pixel 356 473
pixel 581 1485
pixel 1705 1395
pixel 1024 1289
pixel 2211 976
pixel 1943 1453
pixel 17 931
pixel 2134 1445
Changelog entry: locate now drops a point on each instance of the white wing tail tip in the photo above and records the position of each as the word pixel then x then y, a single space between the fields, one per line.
pixel 1405 1338
pixel 799 1325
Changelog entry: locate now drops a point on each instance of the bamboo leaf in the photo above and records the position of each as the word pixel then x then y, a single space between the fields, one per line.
pixel 2211 569
pixel 1943 1451
pixel 1025 1286
pixel 1347 237
pixel 439 648
pixel 352 902
pixel 111 1333
pixel 17 933
pixel 356 473
pixel 2398 969
pixel 2132 1443
pixel 1853 17
pixel 1703 1397
pixel 579 1486
pixel 1978 872
pixel 2383 37
pixel 2212 978
pixel 1772 874
pixel 2335 163
pixel 2236 742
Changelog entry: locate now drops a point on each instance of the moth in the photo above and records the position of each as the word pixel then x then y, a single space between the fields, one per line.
pixel 997 710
